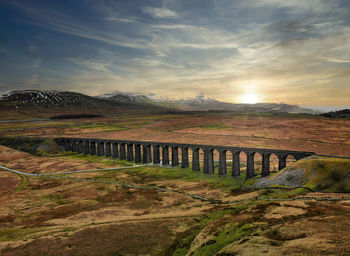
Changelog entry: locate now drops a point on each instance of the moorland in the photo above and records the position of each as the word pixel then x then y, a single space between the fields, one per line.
pixel 125 209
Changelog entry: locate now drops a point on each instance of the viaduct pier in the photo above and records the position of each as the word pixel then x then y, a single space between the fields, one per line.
pixel 158 153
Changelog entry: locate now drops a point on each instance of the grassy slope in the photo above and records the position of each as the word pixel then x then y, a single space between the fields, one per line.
pixel 328 174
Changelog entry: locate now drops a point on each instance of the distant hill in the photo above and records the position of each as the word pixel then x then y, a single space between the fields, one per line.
pixel 203 103
pixel 345 113
pixel 137 99
pixel 326 108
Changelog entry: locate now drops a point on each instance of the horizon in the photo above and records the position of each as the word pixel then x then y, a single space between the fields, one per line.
pixel 251 51
pixel 321 108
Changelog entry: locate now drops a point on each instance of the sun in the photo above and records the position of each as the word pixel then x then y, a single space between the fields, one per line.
pixel 249 98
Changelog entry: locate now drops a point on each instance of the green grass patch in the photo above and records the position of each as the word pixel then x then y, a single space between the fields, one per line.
pixel 180 251
pixel 327 174
pixel 215 126
pixel 93 158
pixel 23 184
pixel 330 174
pixel 226 183
pixel 99 125
pixel 152 117
pixel 57 198
pixel 17 233
pixel 231 233
pixel 281 193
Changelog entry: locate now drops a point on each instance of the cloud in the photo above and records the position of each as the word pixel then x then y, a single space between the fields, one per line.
pixel 172 26
pixel 97 65
pixel 338 60
pixel 292 7
pixel 51 19
pixel 161 12
pixel 36 63
pixel 153 37
pixel 297 6
pixel 125 20
pixel 281 46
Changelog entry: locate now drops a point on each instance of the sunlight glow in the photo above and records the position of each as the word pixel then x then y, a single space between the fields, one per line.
pixel 249 98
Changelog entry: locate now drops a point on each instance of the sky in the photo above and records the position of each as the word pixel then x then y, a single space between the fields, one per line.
pixel 290 51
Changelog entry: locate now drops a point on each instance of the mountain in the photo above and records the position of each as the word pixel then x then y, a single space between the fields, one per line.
pixel 200 99
pixel 133 99
pixel 125 102
pixel 46 98
pixel 202 103
pixel 24 99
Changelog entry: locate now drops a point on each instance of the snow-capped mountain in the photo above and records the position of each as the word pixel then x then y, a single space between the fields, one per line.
pixel 201 102
pixel 200 99
pixel 23 99
pixel 41 97
pixel 139 97
pixel 129 97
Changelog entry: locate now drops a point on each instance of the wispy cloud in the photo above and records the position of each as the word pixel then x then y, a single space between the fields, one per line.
pixel 125 20
pixel 56 21
pixel 297 6
pixel 161 12
pixel 338 60
pixel 292 7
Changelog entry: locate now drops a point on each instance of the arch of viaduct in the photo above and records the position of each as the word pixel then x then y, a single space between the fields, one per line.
pixel 141 152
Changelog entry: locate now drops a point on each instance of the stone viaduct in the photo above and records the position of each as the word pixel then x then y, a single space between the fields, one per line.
pixel 141 152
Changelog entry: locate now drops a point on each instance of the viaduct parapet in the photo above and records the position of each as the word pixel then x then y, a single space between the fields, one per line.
pixel 149 152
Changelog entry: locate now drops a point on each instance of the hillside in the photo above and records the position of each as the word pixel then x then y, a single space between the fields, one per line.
pixel 345 113
pixel 40 99
pixel 46 98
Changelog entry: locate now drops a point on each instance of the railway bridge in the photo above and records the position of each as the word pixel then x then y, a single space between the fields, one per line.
pixel 158 153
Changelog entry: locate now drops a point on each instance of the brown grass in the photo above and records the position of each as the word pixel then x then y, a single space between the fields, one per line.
pixel 8 182
pixel 66 217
